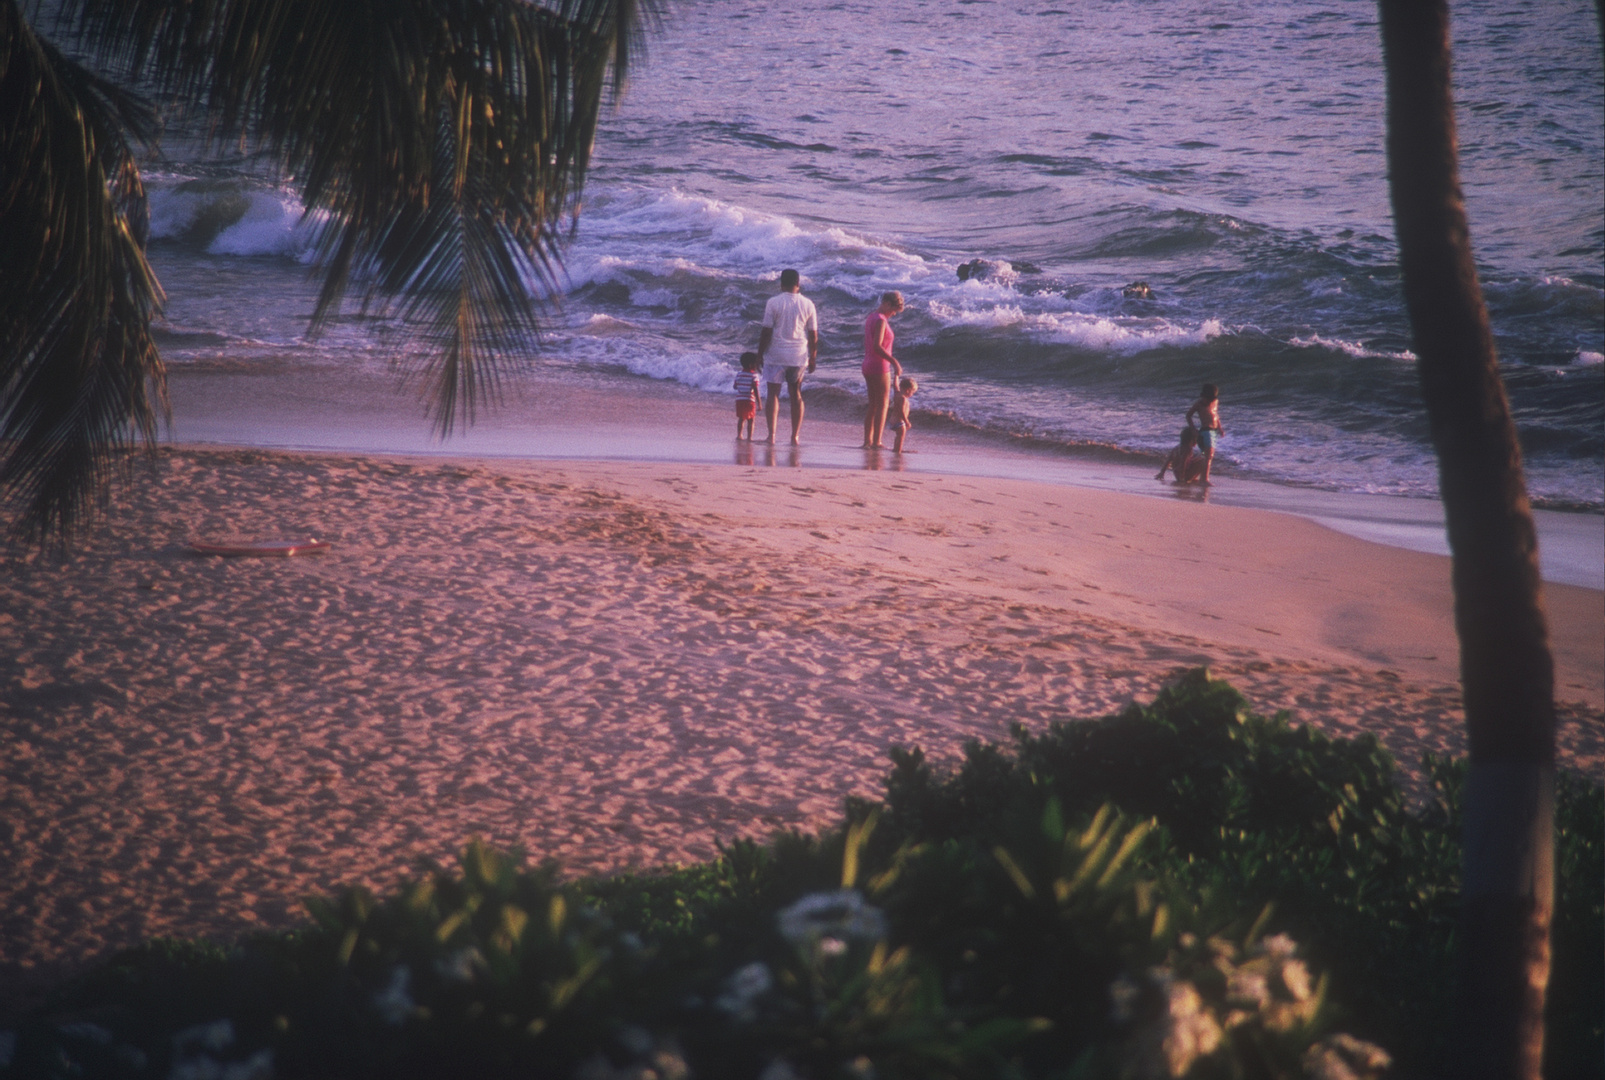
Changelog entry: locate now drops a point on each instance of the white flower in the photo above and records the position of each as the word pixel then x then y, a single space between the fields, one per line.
pixel 1124 992
pixel 743 989
pixel 1280 946
pixel 669 1063
pixel 832 946
pixel 780 1069
pixel 1296 977
pixel 459 964
pixel 1248 987
pixel 1191 1032
pixel 1168 1046
pixel 259 1066
pixel 1343 1057
pixel 394 1003
pixel 839 914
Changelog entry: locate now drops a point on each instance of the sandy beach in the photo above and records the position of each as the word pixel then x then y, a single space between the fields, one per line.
pixel 618 664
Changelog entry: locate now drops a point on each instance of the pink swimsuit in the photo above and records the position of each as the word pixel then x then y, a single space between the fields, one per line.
pixel 877 328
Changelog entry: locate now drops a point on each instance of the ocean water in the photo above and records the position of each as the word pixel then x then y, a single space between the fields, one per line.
pixel 1229 154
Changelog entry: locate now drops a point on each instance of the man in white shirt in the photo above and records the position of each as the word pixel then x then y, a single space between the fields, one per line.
pixel 788 343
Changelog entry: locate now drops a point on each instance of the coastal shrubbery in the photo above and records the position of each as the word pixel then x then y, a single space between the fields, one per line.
pixel 1183 889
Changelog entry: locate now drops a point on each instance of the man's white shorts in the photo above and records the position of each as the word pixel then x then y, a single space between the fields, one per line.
pixel 789 374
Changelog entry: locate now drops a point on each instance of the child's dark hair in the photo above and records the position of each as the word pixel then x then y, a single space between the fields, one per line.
pixel 1189 437
pixel 750 361
pixel 1210 391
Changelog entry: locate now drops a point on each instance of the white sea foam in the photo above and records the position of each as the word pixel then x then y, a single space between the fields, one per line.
pixel 601 340
pixel 1588 358
pixel 274 225
pixel 666 231
pixel 1088 331
pixel 1352 348
pixel 234 217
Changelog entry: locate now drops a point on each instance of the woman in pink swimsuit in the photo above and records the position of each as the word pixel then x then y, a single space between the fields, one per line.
pixel 881 369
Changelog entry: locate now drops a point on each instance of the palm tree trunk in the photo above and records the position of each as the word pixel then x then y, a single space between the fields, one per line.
pixel 1507 674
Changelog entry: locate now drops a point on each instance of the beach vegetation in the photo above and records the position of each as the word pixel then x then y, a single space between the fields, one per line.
pixel 441 146
pixel 1186 888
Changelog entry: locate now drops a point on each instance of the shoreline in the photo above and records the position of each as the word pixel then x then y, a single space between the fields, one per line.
pixel 621 417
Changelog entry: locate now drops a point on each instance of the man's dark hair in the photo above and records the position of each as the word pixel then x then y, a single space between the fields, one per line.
pixel 790 279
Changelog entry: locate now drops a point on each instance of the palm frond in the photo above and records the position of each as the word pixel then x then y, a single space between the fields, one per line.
pixel 80 378
pixel 446 140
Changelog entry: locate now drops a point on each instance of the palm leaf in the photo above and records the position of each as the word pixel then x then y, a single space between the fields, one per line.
pixel 446 140
pixel 79 374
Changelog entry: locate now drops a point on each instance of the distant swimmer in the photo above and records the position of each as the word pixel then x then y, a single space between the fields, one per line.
pixel 1207 408
pixel 788 343
pixel 1137 290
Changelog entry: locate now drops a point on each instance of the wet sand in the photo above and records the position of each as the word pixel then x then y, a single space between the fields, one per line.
pixel 615 664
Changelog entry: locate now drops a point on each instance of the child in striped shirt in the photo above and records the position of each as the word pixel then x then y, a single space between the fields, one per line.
pixel 746 388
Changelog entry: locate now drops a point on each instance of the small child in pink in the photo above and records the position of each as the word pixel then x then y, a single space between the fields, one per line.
pixel 746 388
pixel 897 416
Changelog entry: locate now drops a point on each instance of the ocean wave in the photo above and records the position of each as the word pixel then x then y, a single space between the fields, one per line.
pixel 713 237
pixel 1352 348
pixel 232 216
pixel 1588 358
pixel 1100 333
pixel 603 341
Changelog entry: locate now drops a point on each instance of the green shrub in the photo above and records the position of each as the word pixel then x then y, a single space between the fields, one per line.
pixel 1091 901
pixel 1258 812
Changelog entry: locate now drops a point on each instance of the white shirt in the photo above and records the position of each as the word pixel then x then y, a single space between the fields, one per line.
pixel 790 315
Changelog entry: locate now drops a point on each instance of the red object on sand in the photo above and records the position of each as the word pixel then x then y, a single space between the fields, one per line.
pixel 262 547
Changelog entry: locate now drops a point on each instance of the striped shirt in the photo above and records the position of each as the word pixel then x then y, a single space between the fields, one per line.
pixel 747 386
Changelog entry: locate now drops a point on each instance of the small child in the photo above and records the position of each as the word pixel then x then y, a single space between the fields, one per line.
pixel 746 387
pixel 1184 460
pixel 1208 409
pixel 897 415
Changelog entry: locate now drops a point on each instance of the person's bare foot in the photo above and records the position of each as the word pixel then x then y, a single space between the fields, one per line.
pixel 795 441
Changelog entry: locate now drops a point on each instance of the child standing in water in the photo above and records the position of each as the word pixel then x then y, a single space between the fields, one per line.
pixel 1184 461
pixel 1208 409
pixel 746 388
pixel 897 416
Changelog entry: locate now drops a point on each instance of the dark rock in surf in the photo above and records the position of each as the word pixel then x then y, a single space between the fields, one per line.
pixel 977 269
